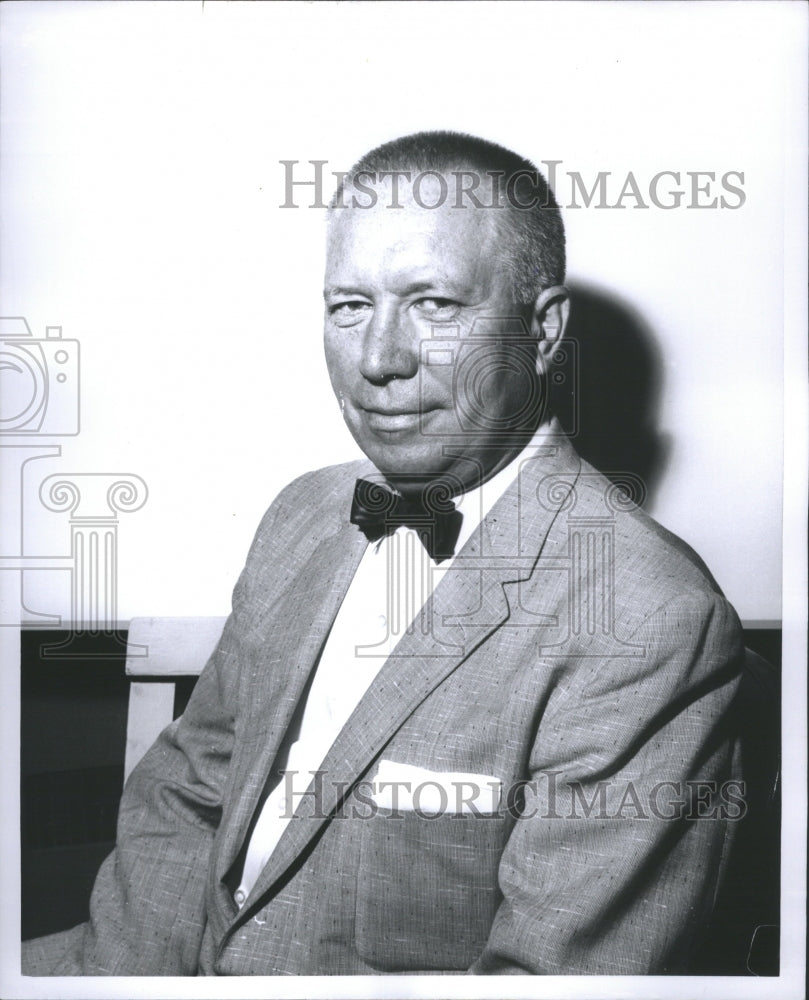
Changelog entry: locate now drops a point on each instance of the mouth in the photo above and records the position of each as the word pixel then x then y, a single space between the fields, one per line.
pixel 395 420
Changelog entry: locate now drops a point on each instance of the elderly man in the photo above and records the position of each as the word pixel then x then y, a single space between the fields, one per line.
pixel 472 709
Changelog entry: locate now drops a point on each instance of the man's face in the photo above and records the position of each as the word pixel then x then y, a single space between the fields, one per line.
pixel 431 374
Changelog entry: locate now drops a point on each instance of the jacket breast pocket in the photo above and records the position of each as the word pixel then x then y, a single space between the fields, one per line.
pixel 427 889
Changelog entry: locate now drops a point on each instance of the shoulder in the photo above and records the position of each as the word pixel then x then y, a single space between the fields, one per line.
pixel 652 571
pixel 322 487
pixel 651 551
pixel 313 503
pixel 309 510
pixel 639 606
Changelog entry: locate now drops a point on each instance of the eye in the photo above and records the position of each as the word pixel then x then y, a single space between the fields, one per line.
pixel 349 313
pixel 440 310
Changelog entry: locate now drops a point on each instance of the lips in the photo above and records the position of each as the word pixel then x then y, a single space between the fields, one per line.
pixel 391 422
pixel 395 419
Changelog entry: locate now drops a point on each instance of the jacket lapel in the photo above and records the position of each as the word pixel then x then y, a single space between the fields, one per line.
pixel 466 607
pixel 281 671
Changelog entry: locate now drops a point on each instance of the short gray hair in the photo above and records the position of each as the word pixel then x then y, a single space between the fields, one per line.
pixel 534 252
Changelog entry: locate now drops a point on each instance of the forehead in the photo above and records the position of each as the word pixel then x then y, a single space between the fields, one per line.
pixel 381 239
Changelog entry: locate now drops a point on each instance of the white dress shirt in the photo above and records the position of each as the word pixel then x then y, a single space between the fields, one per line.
pixel 393 581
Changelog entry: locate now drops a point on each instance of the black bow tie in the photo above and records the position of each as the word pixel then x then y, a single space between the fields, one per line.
pixel 378 511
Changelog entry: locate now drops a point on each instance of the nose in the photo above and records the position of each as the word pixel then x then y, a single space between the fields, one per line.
pixel 390 347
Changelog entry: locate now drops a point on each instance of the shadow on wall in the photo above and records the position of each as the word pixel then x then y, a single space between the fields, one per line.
pixel 613 406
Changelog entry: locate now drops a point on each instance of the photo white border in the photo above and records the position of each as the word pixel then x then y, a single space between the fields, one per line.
pixel 790 983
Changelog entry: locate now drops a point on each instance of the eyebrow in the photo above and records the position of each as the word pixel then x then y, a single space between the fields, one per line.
pixel 450 289
pixel 426 286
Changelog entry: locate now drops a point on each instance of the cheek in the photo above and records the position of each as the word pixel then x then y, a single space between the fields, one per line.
pixel 496 390
pixel 483 376
pixel 337 359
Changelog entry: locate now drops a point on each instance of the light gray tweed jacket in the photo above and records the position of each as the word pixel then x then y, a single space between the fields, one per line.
pixel 576 651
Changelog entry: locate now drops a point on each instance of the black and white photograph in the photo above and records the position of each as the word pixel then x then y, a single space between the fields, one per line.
pixel 403 435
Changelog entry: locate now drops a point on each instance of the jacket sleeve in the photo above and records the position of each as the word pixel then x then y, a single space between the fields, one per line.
pixel 613 863
pixel 147 912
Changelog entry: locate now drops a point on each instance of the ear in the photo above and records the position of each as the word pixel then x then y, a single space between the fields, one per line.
pixel 549 321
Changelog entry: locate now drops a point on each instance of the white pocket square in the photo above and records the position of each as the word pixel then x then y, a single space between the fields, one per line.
pixel 406 788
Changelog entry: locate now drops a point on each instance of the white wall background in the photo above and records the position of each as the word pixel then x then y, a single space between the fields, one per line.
pixel 141 188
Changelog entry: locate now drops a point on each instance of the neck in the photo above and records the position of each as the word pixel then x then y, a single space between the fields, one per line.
pixel 466 472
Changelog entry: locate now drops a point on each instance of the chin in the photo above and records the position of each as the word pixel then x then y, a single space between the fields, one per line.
pixel 404 462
